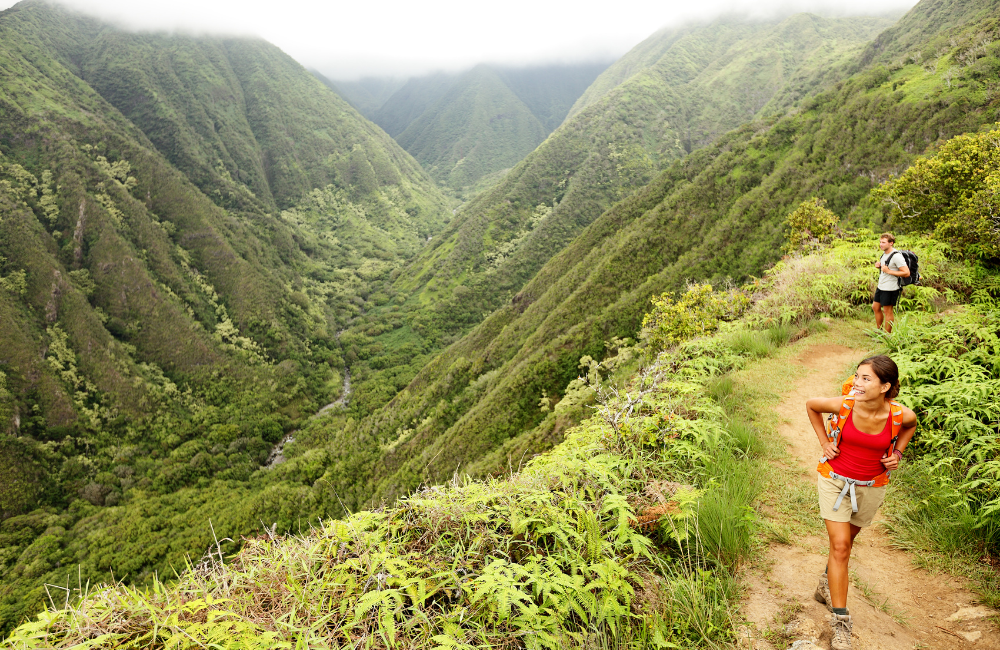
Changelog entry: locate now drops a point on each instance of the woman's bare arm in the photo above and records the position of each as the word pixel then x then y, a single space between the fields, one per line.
pixel 906 432
pixel 815 408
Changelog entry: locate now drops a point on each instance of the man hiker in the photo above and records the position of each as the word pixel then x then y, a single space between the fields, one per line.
pixel 892 266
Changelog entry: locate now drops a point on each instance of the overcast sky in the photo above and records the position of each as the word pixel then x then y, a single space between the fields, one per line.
pixel 349 39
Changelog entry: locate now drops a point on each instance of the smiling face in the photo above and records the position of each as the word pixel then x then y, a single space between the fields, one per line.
pixel 884 244
pixel 867 385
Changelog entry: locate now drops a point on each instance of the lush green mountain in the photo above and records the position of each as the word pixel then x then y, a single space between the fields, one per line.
pixel 550 90
pixel 482 117
pixel 477 127
pixel 411 101
pixel 715 214
pixel 367 94
pixel 502 238
pixel 165 337
pixel 185 224
pixel 625 535
pixel 701 87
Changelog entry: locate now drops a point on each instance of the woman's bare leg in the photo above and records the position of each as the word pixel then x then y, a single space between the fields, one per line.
pixel 842 534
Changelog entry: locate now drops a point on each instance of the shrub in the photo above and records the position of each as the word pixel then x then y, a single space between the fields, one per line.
pixel 954 193
pixel 810 225
pixel 699 311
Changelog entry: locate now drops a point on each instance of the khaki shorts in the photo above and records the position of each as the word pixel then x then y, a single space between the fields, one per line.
pixel 869 499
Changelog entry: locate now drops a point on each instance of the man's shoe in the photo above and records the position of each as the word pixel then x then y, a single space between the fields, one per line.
pixel 822 594
pixel 841 632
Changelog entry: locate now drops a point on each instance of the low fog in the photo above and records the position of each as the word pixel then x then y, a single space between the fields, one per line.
pixel 348 40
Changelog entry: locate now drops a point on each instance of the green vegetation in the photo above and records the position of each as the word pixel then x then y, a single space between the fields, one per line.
pixel 159 339
pixel 411 101
pixel 622 535
pixel 718 214
pixel 689 96
pixel 505 236
pixel 477 127
pixel 173 321
pixel 465 127
pixel 626 534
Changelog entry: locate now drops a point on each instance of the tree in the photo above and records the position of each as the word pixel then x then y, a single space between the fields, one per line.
pixel 955 194
pixel 809 225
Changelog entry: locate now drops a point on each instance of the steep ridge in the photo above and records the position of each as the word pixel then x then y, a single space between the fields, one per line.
pixel 499 240
pixel 163 323
pixel 234 106
pixel 477 127
pixel 367 94
pixel 716 214
pixel 695 91
pixel 550 90
pixel 411 101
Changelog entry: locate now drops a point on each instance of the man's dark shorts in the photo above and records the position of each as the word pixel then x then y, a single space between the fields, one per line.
pixel 886 298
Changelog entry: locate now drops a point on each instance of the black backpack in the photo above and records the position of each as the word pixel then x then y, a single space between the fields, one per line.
pixel 910 260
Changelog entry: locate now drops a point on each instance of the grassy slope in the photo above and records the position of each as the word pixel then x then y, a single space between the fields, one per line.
pixel 503 237
pixel 716 214
pixel 478 127
pixel 550 556
pixel 690 94
pixel 133 356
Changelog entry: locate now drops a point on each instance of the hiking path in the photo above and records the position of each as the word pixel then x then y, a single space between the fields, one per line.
pixel 894 604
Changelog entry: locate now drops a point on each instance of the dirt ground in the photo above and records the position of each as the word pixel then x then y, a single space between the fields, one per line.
pixel 935 610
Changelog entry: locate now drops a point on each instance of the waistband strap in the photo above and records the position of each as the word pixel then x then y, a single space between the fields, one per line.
pixel 849 484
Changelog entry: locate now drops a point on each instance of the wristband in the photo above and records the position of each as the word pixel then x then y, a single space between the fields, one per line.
pixel 899 453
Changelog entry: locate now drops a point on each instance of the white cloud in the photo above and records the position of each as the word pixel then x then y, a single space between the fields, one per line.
pixel 348 39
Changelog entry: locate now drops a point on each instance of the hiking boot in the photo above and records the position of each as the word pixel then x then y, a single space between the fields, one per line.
pixel 822 594
pixel 841 632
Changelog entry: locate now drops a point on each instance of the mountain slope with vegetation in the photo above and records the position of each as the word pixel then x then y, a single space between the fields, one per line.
pixel 632 532
pixel 693 93
pixel 367 94
pixel 165 339
pixel 502 238
pixel 185 224
pixel 716 214
pixel 412 100
pixel 477 127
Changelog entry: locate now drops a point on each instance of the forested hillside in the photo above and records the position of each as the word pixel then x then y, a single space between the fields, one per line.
pixel 466 126
pixel 185 224
pixel 691 94
pixel 636 532
pixel 502 238
pixel 198 240
pixel 477 127
pixel 716 214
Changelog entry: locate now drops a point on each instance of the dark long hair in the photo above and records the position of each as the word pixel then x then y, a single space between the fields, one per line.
pixel 886 371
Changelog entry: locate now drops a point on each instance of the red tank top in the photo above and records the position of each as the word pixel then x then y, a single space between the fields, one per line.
pixel 861 453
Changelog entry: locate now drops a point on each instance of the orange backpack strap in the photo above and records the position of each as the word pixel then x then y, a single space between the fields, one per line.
pixel 896 413
pixel 837 426
pixel 836 431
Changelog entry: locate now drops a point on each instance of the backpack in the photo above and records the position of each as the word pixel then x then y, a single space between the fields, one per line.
pixel 910 260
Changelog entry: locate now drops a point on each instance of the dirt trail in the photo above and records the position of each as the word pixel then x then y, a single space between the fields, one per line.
pixel 937 611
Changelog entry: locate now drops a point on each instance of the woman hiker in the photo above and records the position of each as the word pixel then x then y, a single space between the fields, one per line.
pixel 866 442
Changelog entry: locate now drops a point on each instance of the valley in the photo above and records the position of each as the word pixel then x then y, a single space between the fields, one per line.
pixel 253 317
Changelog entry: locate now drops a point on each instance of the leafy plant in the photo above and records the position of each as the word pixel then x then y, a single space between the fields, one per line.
pixel 810 225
